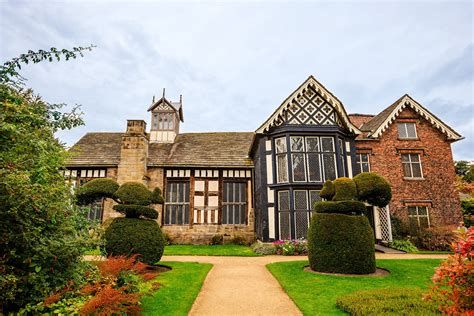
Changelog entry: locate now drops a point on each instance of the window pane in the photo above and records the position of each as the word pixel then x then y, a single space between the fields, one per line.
pixel 424 222
pixel 283 200
pixel 407 170
pixel 313 197
pixel 411 130
pixel 297 144
pixel 170 121
pixel 301 200
pixel 312 144
pixel 422 210
pixel 280 145
pixel 416 167
pixel 282 165
pixel 314 167
pixel 298 165
pixel 405 157
pixel 402 133
pixel 415 157
pixel 412 210
pixel 364 157
pixel 327 144
pixel 329 167
pixel 341 146
pixel 365 167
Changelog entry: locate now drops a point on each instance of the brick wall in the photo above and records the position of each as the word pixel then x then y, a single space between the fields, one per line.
pixel 437 189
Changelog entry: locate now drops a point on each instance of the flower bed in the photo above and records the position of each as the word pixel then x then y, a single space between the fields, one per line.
pixel 296 247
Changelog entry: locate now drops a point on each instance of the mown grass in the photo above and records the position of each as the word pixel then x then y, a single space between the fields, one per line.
pixel 317 294
pixel 209 250
pixel 178 289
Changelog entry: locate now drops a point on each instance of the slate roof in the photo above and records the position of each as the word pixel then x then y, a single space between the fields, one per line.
pixel 378 120
pixel 224 149
pixel 360 119
pixel 96 149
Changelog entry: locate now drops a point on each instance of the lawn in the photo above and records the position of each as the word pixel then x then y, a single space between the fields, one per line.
pixel 209 250
pixel 316 294
pixel 178 289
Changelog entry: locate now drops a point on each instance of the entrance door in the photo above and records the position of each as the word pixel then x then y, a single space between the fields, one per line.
pixel 206 201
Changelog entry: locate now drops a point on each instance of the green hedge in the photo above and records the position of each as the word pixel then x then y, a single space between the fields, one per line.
pixel 340 243
pixel 373 189
pixel 328 190
pixel 134 193
pixel 96 189
pixel 345 189
pixel 127 236
pixel 340 207
pixel 135 211
pixel 156 197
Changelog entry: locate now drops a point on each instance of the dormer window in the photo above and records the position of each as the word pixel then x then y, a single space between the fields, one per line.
pixel 407 130
pixel 163 121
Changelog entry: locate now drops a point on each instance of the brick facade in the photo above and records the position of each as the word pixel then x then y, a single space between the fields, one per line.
pixel 437 188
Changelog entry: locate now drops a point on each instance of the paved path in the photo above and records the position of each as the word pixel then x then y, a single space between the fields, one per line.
pixel 243 285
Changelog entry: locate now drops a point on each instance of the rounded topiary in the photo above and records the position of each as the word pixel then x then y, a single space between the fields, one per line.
pixel 345 189
pixel 156 197
pixel 340 207
pixel 328 190
pixel 95 189
pixel 340 243
pixel 126 236
pixel 373 189
pixel 136 211
pixel 134 193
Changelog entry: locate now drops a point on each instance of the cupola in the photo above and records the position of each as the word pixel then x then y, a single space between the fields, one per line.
pixel 165 118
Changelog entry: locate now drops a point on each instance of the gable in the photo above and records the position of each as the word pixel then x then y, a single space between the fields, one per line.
pixel 380 123
pixel 310 104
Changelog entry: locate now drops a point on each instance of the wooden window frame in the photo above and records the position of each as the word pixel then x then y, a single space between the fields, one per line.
pixel 417 215
pixel 223 202
pixel 359 162
pixel 283 154
pixel 405 130
pixel 166 203
pixel 411 163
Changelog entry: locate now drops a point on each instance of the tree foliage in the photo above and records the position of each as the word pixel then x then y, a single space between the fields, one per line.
pixel 41 244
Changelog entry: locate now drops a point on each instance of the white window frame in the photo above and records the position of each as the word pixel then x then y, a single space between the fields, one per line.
pixel 360 163
pixel 405 130
pixel 417 216
pixel 410 163
pixel 285 154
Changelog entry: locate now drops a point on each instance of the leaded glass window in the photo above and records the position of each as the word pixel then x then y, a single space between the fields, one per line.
pixel 284 214
pixel 234 203
pixel 177 203
pixel 281 160
pixel 412 166
pixel 313 158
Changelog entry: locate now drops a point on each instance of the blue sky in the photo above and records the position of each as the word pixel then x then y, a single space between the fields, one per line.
pixel 235 62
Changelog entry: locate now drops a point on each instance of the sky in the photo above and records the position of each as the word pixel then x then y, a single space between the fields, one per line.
pixel 235 62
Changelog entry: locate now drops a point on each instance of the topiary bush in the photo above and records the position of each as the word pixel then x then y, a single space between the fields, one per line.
pixel 328 190
pixel 345 189
pixel 373 189
pixel 340 207
pixel 136 211
pixel 339 243
pixel 134 193
pixel 95 189
pixel 127 236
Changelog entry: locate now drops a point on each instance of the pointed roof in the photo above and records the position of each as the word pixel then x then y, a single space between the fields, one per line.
pixel 176 106
pixel 376 126
pixel 311 82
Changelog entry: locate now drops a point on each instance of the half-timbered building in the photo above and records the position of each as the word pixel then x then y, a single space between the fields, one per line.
pixel 264 183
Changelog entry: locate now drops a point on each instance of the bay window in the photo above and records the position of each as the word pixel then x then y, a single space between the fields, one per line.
pixel 282 160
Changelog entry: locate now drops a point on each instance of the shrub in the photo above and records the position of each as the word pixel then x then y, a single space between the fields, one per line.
pixel 217 239
pixel 263 248
pixel 393 301
pixel 434 238
pixel 126 236
pixel 340 207
pixel 136 211
pixel 340 243
pixel 239 240
pixel 345 189
pixel 454 279
pixel 134 193
pixel 328 190
pixel 95 189
pixel 403 245
pixel 400 230
pixel 156 196
pixel 373 189
pixel 468 212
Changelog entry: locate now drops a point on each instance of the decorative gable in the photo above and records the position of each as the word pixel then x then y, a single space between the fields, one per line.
pixel 311 109
pixel 310 104
pixel 381 122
